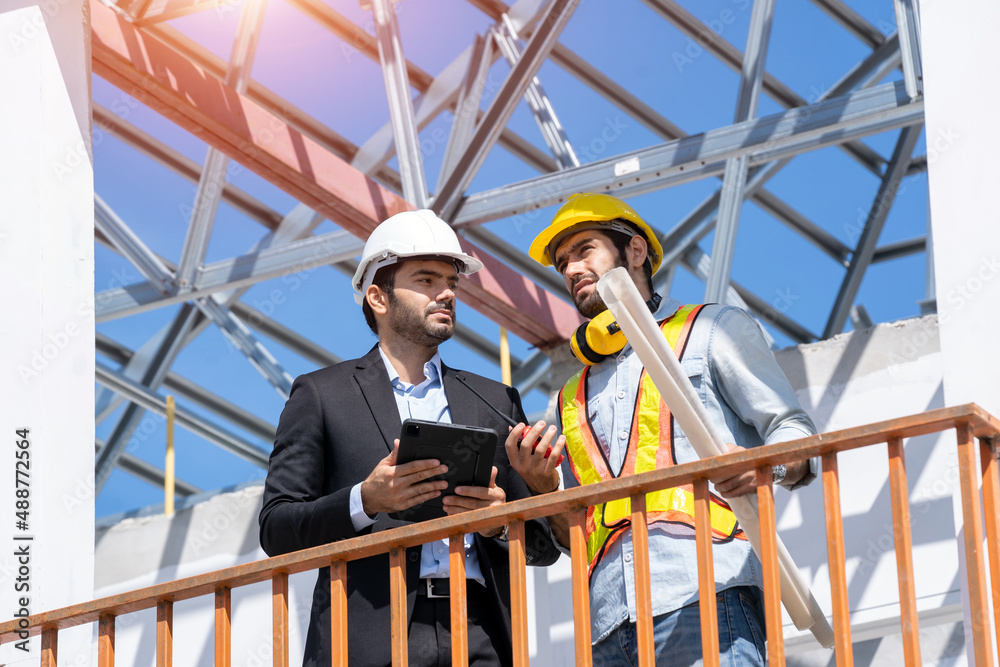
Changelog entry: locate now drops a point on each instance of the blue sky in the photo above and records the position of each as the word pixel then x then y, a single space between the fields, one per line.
pixel 333 82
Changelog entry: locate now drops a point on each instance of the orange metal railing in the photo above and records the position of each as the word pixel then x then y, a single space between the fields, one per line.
pixel 969 421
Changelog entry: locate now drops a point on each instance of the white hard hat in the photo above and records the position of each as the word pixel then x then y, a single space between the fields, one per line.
pixel 409 234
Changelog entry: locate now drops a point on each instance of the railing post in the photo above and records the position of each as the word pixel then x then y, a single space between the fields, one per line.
pixel 904 552
pixel 835 556
pixel 106 641
pixel 397 602
pixel 518 592
pixel 769 563
pixel 164 633
pixel 581 587
pixel 338 613
pixel 707 605
pixel 223 627
pixel 50 647
pixel 643 598
pixel 279 618
pixel 456 598
pixel 991 503
pixel 972 530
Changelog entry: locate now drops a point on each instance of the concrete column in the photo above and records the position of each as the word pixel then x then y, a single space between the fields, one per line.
pixel 47 336
pixel 961 60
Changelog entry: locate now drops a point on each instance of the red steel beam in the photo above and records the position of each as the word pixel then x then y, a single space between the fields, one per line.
pixel 167 82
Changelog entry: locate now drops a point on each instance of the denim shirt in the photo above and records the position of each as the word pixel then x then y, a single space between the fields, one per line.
pixel 750 403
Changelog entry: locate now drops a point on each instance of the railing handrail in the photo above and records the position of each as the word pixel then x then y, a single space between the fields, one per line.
pixel 983 424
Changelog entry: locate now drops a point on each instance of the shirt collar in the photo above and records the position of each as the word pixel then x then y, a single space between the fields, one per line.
pixel 432 369
pixel 667 308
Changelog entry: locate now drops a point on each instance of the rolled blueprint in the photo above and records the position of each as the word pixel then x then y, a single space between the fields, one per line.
pixel 633 316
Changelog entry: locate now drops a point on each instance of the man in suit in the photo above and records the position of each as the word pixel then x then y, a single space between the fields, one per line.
pixel 333 472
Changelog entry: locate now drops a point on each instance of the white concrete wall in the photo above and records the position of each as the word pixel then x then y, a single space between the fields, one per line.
pixel 47 336
pixel 961 56
pixel 889 371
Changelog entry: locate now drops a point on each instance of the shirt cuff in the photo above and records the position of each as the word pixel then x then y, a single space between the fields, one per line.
pixel 358 516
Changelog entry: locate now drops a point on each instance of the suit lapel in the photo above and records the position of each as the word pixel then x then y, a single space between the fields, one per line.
pixel 462 404
pixel 373 381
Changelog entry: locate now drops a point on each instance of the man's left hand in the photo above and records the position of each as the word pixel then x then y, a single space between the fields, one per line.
pixel 476 497
pixel 737 485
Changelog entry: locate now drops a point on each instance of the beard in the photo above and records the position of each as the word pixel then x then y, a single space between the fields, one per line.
pixel 592 305
pixel 415 326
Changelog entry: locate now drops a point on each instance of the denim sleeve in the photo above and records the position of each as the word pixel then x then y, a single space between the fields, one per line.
pixel 752 383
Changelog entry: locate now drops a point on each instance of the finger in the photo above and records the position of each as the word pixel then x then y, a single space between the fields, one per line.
pixel 493 478
pixel 453 504
pixel 513 438
pixel 480 492
pixel 423 467
pixel 422 498
pixel 391 459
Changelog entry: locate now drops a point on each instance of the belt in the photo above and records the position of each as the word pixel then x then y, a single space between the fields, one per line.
pixel 434 588
pixel 440 587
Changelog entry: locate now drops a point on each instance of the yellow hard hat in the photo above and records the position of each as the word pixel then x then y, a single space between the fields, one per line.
pixel 598 210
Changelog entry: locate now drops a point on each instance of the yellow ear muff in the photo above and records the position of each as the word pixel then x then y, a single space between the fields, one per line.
pixel 597 339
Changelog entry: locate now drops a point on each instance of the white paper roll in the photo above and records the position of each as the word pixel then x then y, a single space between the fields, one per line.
pixel 633 316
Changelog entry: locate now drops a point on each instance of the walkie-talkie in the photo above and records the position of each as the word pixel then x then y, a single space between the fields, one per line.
pixel 507 418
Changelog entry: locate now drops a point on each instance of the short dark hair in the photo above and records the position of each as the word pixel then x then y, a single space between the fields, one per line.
pixel 621 243
pixel 385 280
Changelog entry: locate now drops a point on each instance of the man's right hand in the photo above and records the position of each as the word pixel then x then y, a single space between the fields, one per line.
pixel 394 488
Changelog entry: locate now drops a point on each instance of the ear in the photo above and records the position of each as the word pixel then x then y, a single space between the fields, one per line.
pixel 638 250
pixel 377 300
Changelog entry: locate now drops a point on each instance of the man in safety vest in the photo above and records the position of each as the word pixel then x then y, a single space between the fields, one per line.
pixel 614 423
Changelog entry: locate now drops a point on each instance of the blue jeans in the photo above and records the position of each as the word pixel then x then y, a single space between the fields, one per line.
pixel 677 635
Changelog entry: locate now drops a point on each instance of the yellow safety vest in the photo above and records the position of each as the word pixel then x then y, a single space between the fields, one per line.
pixel 650 447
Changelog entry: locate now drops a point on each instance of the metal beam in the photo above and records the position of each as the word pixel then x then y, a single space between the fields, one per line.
pixel 213 175
pixel 735 178
pixel 241 337
pixel 265 144
pixel 532 374
pixel 149 473
pixel 149 400
pixel 908 22
pixel 774 137
pixel 379 148
pixel 192 392
pixel 131 247
pixel 701 220
pixel 854 22
pixel 467 110
pixel 731 56
pixel 449 193
pixel 873 228
pixel 276 331
pixel 153 369
pixel 397 92
pixel 505 36
pixel 891 251
pixel 595 79
pixel 105 120
pixel 238 272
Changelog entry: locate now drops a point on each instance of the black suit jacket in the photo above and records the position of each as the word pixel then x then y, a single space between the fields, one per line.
pixel 338 423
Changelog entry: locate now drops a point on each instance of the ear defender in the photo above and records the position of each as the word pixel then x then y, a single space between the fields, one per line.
pixel 597 339
pixel 601 337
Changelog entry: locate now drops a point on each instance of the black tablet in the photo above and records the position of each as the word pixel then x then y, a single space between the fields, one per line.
pixel 468 452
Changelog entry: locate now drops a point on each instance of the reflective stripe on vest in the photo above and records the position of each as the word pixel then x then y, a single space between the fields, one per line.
pixel 650 447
